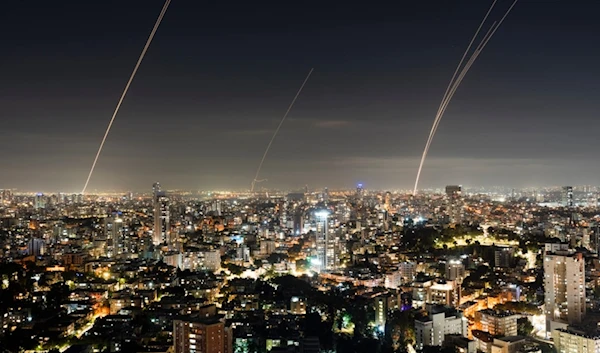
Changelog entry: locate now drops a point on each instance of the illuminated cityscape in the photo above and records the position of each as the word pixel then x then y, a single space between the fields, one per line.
pixel 358 267
pixel 275 177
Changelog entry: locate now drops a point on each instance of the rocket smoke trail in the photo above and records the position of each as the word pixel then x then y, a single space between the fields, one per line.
pixel 456 80
pixel 452 83
pixel 256 180
pixel 137 65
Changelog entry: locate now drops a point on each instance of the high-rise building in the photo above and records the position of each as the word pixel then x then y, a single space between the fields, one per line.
pixel 35 247
pixel 567 196
pixel 161 215
pixel 113 232
pixel 504 256
pixel 243 253
pixel 6 195
pixel 407 271
pixel 444 293
pixel 40 201
pixel 575 341
pixel 454 203
pixel 360 191
pixel 381 308
pixel 267 247
pixel 387 203
pixel 453 191
pixel 564 285
pixel 455 270
pixel 322 230
pixel 206 334
pixel 327 249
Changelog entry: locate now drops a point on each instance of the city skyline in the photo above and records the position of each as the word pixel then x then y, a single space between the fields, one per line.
pixel 208 97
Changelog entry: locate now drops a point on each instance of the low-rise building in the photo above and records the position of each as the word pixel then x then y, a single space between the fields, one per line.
pixel 496 323
pixel 432 329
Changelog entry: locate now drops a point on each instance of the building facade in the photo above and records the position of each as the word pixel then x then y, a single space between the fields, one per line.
pixel 571 341
pixel 201 335
pixel 161 215
pixel 564 285
pixel 431 330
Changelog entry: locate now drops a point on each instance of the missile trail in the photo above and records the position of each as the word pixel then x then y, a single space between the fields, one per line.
pixel 256 180
pixel 455 86
pixel 137 65
pixel 448 89
pixel 456 80
pixel 468 65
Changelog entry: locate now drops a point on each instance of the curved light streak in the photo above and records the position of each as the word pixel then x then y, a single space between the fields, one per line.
pixel 137 65
pixel 256 180
pixel 455 81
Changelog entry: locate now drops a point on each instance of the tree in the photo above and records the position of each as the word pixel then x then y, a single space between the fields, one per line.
pixel 234 269
pixel 524 327
pixel 400 330
pixel 519 307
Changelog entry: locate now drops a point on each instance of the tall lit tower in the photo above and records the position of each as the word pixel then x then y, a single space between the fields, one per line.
pixel 327 244
pixel 113 231
pixel 161 215
pixel 567 196
pixel 322 238
pixel 564 286
pixel 360 191
pixel 453 191
pixel 40 201
pixel 387 205
pixel 453 194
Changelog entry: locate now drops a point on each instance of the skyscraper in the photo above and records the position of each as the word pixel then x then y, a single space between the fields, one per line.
pixel 40 201
pixel 360 191
pixel 113 232
pixel 381 308
pixel 327 255
pixel 455 212
pixel 455 270
pixel 453 191
pixel 161 215
pixel 567 196
pixel 35 247
pixel 564 285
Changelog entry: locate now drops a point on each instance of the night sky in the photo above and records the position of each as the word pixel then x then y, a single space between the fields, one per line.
pixel 219 76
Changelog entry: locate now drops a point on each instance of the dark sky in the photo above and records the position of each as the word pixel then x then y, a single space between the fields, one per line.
pixel 219 76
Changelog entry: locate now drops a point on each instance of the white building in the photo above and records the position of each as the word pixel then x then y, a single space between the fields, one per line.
pixel 430 331
pixel 497 323
pixel 208 260
pixel 392 279
pixel 381 309
pixel 455 270
pixel 447 294
pixel 161 216
pixel 407 271
pixel 267 247
pixel 564 285
pixel 327 243
pixel 113 232
pixel 571 341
